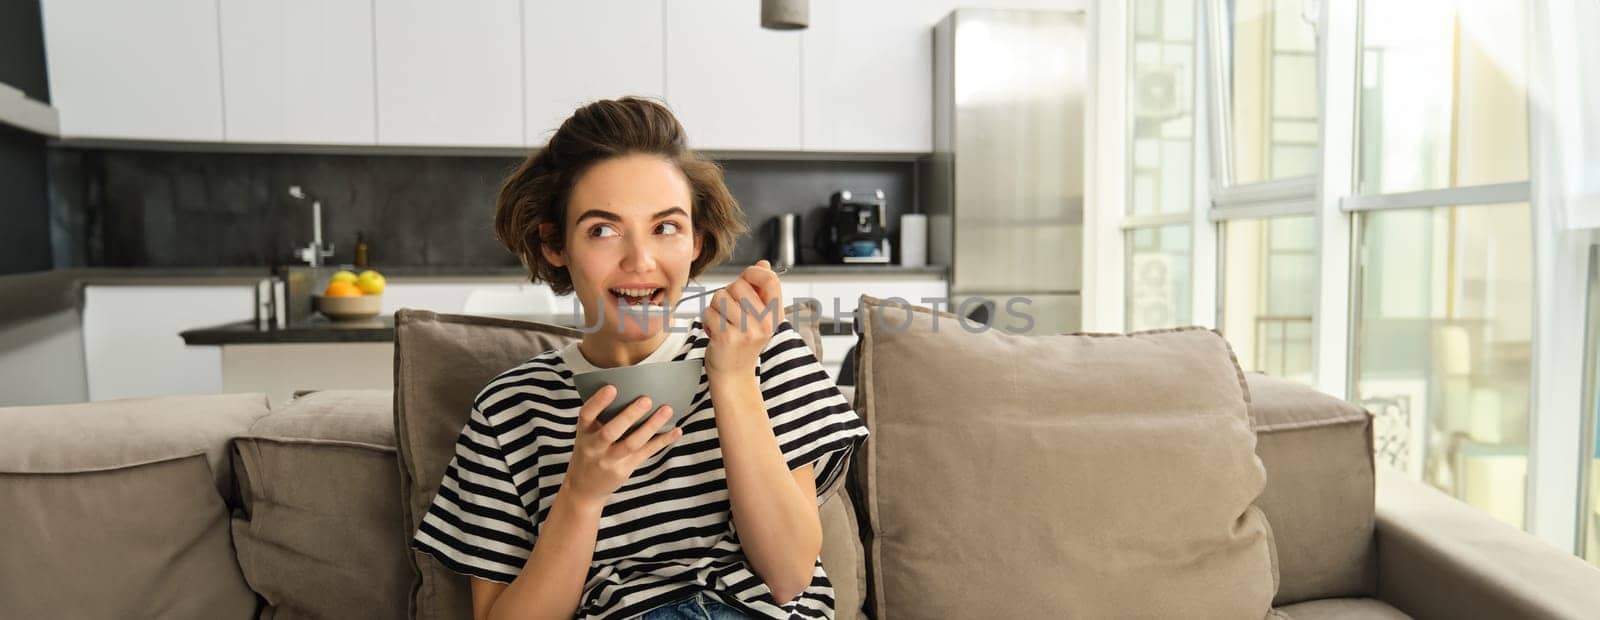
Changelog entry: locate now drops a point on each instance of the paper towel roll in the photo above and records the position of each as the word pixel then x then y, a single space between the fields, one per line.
pixel 913 240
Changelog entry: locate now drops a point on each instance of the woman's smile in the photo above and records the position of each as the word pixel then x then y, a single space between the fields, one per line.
pixel 639 293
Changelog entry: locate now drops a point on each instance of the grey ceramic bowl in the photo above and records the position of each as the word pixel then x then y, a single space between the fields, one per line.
pixel 666 383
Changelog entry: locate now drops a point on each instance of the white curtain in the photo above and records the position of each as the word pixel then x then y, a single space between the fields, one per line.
pixel 1564 158
pixel 1564 103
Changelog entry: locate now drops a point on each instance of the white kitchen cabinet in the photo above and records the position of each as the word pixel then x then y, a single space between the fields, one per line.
pixel 869 71
pixel 840 298
pixel 577 52
pixel 281 369
pixel 449 73
pixel 131 343
pixel 135 70
pixel 451 296
pixel 869 75
pixel 298 71
pixel 732 83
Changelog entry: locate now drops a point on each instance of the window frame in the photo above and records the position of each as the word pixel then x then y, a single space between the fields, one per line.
pixel 1227 192
pixel 1591 397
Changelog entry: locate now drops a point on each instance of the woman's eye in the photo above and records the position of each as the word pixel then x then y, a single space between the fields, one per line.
pixel 673 230
pixel 596 231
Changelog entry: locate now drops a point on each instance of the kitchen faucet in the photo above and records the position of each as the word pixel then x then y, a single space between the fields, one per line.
pixel 314 253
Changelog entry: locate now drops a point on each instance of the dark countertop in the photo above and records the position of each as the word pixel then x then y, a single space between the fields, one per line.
pixel 41 293
pixel 32 295
pixel 377 329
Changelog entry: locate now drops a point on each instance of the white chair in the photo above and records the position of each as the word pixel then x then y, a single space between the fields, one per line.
pixel 524 300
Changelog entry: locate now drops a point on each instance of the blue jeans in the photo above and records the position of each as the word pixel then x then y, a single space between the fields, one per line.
pixel 697 606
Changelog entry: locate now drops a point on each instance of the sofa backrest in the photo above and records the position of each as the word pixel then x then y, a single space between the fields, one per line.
pixel 1319 496
pixel 120 507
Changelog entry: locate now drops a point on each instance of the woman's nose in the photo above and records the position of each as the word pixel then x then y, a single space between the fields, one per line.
pixel 638 258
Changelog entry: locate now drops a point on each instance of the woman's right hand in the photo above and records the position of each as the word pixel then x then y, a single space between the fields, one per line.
pixel 600 462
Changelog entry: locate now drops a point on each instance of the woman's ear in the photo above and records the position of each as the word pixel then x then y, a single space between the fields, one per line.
pixel 699 241
pixel 547 231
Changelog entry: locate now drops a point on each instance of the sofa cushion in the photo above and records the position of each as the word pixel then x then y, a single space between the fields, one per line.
pixel 1060 476
pixel 1341 609
pixel 1319 497
pixel 321 533
pixel 149 537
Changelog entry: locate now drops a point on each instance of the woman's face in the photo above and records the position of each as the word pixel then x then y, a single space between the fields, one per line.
pixel 628 227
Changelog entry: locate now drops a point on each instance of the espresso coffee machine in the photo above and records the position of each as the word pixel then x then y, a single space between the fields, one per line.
pixel 855 229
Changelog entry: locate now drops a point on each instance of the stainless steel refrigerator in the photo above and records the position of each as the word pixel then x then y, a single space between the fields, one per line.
pixel 1004 186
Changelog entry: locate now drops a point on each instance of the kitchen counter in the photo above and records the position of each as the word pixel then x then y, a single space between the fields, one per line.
pixel 379 329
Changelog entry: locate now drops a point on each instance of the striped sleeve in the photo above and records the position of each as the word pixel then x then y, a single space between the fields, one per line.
pixel 810 417
pixel 478 524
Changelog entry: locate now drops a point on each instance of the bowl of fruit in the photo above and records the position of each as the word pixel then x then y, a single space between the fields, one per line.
pixel 352 297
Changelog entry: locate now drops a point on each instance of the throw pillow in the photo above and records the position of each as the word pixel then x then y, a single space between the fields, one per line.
pixel 320 534
pixel 1069 476
pixel 440 362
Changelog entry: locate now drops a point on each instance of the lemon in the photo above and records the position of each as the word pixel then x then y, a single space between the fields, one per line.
pixel 371 282
pixel 343 276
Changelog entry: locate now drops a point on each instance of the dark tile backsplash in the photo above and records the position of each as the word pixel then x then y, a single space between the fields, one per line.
pixel 125 208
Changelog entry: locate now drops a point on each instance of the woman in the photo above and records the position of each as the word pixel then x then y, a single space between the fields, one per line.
pixel 553 514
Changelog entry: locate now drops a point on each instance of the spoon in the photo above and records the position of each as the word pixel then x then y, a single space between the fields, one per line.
pixel 674 308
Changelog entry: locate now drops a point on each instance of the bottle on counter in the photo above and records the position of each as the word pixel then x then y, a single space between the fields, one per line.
pixel 361 249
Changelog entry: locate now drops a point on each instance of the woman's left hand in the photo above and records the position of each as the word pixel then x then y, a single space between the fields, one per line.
pixel 740 319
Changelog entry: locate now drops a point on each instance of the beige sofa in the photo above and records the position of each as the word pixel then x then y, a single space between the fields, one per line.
pixel 214 506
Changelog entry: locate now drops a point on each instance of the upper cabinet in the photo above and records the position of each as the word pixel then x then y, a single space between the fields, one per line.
pixel 869 75
pixel 450 73
pixel 298 71
pixel 493 73
pixel 576 52
pixel 733 84
pixel 135 70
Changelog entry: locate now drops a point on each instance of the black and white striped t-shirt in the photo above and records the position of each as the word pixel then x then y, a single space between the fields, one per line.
pixel 667 532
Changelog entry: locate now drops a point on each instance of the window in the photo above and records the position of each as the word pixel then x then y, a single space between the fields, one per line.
pixel 1159 282
pixel 1444 347
pixel 1269 269
pixel 1162 169
pixel 1268 59
pixel 1385 175
pixel 1158 277
pixel 1444 313
pixel 1443 95
pixel 1266 160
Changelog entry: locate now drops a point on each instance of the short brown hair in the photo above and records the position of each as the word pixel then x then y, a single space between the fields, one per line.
pixel 538 191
